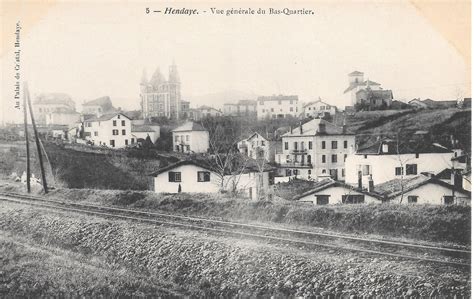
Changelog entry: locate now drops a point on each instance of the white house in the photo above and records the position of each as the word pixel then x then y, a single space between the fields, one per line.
pixel 277 107
pixel 140 131
pixel 315 149
pixel 331 192
pixel 111 130
pixel 190 137
pixel 318 109
pixel 356 83
pixel 423 189
pixel 256 147
pixel 98 107
pixel 386 160
pixel 193 176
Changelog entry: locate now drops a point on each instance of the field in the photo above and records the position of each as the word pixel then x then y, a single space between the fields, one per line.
pixel 64 254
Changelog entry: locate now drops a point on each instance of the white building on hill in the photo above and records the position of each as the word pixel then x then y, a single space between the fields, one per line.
pixel 257 147
pixel 190 137
pixel 318 109
pixel 386 160
pixel 277 107
pixel 111 130
pixel 315 149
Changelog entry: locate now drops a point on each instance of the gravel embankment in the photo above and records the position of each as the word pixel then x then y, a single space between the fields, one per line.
pixel 210 265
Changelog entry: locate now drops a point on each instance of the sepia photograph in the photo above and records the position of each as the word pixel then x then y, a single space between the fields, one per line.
pixel 235 149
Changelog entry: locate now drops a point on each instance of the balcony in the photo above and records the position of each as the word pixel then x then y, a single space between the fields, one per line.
pixel 295 165
pixel 299 151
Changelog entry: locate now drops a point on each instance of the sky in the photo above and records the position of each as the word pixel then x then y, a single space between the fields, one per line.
pixel 89 50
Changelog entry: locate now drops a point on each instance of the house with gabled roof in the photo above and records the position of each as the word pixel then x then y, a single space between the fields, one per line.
pixel 388 159
pixel 330 192
pixel 112 130
pixel 423 189
pixel 366 93
pixel 318 109
pixel 190 137
pixel 98 107
pixel 199 175
pixel 256 146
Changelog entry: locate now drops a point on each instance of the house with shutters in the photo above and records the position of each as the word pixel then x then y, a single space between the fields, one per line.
pixel 190 137
pixel 387 160
pixel 330 192
pixel 423 189
pixel 271 107
pixel 112 130
pixel 196 176
pixel 315 149
pixel 258 147
pixel 318 109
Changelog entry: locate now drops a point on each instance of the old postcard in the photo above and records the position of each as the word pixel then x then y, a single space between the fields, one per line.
pixel 312 149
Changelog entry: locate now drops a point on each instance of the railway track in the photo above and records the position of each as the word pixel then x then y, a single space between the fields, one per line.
pixel 308 239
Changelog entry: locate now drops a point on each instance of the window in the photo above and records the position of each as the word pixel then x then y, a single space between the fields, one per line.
pixel 291 102
pixel 412 199
pixel 263 143
pixel 323 144
pixel 334 158
pixel 310 145
pixel 286 145
pixel 309 159
pixel 398 170
pixel 114 123
pixel 295 145
pixel 132 140
pixel 323 159
pixel 204 176
pixel 126 141
pixel 176 138
pixel 115 132
pixel 345 157
pixel 263 110
pixel 96 133
pixel 123 132
pixel 112 143
pixel 411 169
pixel 187 137
pixel 271 110
pixel 118 116
pixel 448 199
pixel 87 134
pixel 417 155
pixel 291 109
pixel 288 172
pixel 366 170
pixel 353 198
pixel 322 199
pixel 279 102
pixel 123 123
pixel 345 143
pixel 174 176
pixel 334 144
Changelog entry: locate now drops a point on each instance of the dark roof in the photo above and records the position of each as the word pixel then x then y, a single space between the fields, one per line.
pixel 189 126
pixel 104 102
pixel 409 147
pixel 326 183
pixel 393 187
pixel 315 126
pixel 105 117
pixel 278 98
pixel 141 128
pixel 206 162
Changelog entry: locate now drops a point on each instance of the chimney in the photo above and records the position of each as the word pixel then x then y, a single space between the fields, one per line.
pixel 301 129
pixel 322 128
pixel 371 184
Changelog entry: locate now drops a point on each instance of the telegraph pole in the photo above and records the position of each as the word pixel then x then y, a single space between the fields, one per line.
pixel 38 146
pixel 28 171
